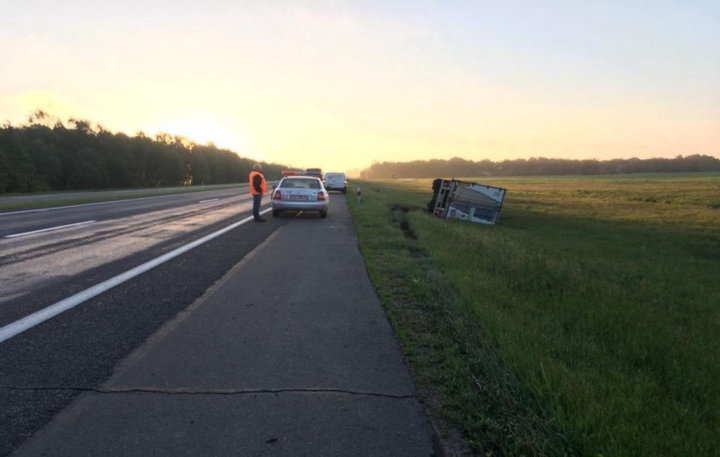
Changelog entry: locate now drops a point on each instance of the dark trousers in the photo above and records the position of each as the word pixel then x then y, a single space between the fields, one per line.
pixel 257 199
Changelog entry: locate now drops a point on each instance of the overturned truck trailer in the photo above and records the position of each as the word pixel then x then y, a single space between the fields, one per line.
pixel 466 200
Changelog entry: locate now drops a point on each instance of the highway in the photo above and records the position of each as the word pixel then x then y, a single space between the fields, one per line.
pixel 40 247
pixel 51 255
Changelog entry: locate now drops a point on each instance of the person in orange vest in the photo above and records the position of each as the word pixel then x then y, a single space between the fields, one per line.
pixel 258 187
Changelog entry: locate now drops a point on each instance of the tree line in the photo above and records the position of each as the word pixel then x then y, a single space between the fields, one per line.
pixel 457 167
pixel 46 154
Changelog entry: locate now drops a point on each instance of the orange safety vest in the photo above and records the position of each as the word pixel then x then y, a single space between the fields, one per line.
pixel 263 184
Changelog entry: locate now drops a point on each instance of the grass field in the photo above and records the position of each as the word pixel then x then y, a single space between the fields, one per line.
pixel 585 323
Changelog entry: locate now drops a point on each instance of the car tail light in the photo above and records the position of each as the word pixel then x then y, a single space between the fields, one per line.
pixel 277 195
pixel 321 196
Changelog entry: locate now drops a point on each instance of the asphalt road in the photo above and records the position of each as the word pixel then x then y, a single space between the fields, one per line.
pixel 44 368
pixel 106 193
pixel 46 253
pixel 287 354
pixel 17 222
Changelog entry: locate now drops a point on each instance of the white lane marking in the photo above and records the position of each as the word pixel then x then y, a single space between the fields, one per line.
pixel 53 310
pixel 208 200
pixel 170 325
pixel 109 202
pixel 77 224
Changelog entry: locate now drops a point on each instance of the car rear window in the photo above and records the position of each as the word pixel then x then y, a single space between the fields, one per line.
pixel 300 184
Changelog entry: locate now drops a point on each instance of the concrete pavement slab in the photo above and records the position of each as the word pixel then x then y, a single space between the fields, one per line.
pixel 290 354
pixel 277 424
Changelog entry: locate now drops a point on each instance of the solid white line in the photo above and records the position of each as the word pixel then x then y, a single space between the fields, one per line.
pixel 208 200
pixel 53 310
pixel 77 224
pixel 80 205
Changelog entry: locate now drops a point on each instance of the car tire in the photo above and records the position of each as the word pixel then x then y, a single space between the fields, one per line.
pixel 344 190
pixel 323 213
pixel 276 212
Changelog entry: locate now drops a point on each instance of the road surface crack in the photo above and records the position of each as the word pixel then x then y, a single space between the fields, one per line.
pixel 218 392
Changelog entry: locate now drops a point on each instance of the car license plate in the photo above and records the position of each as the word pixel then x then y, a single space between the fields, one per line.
pixel 298 197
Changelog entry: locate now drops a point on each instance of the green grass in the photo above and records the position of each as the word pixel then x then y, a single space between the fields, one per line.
pixel 586 322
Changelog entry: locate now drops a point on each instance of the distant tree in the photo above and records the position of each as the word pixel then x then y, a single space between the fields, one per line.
pixel 18 167
pixel 198 169
pixel 45 154
pixel 457 167
pixel 4 169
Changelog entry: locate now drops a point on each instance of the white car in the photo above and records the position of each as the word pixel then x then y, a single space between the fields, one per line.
pixel 336 181
pixel 299 193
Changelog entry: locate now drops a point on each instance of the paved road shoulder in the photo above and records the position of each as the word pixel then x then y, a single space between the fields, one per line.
pixel 290 354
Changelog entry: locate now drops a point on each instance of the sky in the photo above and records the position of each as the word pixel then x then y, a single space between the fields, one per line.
pixel 343 84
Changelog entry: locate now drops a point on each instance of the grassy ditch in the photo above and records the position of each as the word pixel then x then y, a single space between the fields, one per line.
pixel 585 323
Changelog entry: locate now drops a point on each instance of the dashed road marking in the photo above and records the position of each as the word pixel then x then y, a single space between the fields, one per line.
pixel 49 229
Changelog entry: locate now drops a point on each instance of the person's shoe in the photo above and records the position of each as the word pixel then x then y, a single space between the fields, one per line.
pixel 260 220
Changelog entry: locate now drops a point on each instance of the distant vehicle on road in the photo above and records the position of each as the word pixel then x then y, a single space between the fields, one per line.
pixel 317 172
pixel 299 193
pixel 336 181
pixel 292 172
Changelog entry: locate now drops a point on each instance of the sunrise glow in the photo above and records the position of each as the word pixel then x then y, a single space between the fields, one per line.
pixel 343 85
pixel 200 129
